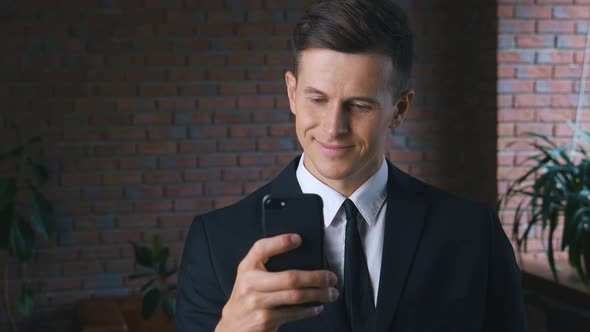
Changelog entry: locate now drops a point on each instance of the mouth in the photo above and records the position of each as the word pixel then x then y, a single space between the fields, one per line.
pixel 335 149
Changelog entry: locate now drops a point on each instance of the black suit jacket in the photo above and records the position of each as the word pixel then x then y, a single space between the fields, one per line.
pixel 447 264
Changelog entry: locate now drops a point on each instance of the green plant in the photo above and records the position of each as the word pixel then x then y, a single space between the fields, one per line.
pixel 555 188
pixel 157 291
pixel 24 213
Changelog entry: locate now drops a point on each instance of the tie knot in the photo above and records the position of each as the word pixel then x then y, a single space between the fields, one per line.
pixel 350 209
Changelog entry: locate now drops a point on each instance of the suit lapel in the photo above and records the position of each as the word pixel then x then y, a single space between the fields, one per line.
pixel 406 211
pixel 286 184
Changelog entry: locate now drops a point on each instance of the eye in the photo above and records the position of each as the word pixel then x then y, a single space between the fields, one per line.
pixel 318 100
pixel 361 107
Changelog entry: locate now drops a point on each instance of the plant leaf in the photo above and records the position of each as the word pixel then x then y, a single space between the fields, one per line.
pixel 143 255
pixel 147 285
pixel 151 301
pixel 7 192
pixel 169 306
pixel 39 168
pixel 24 304
pixel 21 240
pixel 41 213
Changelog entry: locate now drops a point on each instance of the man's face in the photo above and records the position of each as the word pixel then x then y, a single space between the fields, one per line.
pixel 344 110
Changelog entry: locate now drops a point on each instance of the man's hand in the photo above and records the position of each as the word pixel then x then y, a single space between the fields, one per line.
pixel 254 304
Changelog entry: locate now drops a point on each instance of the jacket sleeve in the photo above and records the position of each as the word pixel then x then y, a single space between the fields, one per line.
pixel 505 310
pixel 199 298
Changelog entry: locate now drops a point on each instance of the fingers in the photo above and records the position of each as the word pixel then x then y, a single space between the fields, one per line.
pixel 300 296
pixel 288 314
pixel 293 279
pixel 265 248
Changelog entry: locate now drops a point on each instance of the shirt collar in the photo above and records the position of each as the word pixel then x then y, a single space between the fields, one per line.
pixel 368 198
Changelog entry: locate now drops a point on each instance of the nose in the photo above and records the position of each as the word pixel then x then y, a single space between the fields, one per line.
pixel 335 121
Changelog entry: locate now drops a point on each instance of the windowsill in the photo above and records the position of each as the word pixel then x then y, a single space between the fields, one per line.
pixel 536 266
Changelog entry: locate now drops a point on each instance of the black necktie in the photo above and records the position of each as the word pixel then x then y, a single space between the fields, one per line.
pixel 358 294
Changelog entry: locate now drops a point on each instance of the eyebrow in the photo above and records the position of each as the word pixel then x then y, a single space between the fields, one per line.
pixel 312 90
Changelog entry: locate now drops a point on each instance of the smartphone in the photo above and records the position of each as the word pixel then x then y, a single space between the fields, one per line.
pixel 301 214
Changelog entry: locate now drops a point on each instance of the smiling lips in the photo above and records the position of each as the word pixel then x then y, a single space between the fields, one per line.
pixel 335 149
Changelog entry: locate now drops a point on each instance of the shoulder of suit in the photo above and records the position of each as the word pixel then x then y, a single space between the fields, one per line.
pixel 247 206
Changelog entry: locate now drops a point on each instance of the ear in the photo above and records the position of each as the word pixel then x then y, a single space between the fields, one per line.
pixel 291 83
pixel 401 108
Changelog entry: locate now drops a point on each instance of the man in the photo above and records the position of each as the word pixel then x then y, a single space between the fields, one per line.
pixel 429 261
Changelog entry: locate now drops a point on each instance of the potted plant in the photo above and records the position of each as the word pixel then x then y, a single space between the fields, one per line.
pixel 24 214
pixel 556 188
pixel 157 293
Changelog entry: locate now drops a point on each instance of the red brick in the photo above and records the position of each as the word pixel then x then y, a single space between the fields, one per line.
pixel 531 100
pixel 245 60
pixel 535 41
pixel 186 75
pixel 119 236
pixel 515 86
pixel 555 57
pixel 505 129
pixel 206 60
pixel 153 177
pixel 192 204
pixel 278 59
pixel 157 148
pixel 184 220
pixel 515 25
pixel 571 12
pixel 533 71
pixel 533 11
pixel 555 26
pixel 562 86
pixel 255 160
pixel 195 189
pixel 226 75
pixel 143 191
pixel 561 129
pixel 153 206
pixel 215 30
pixel 201 146
pixel 505 57
pixel 509 114
pixel 110 150
pixel 201 175
pixel 232 117
pixel 158 90
pixel 504 101
pixel 237 145
pixel 257 102
pixel 237 89
pixel 216 189
pixel 553 115
pixel 80 179
pixel 96 164
pixel 176 105
pixel 248 131
pixel 175 30
pixel 122 178
pixel 156 118
pixel 217 160
pixel 82 268
pixel 83 135
pixel 522 129
pixel 571 41
pixel 505 11
pixel 254 29
pixel 137 221
pixel 216 103
pixel 568 71
pixel 125 134
pixel 506 71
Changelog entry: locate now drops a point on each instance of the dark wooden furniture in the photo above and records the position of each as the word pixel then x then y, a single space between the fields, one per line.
pixel 553 307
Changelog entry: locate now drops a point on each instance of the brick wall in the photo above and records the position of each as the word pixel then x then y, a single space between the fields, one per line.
pixel 155 111
pixel 540 55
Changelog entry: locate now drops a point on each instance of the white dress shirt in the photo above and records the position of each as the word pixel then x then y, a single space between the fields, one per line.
pixel 370 200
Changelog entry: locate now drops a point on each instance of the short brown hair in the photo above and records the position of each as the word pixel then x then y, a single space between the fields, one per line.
pixel 357 26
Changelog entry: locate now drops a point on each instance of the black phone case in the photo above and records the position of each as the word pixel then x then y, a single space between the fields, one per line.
pixel 301 214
